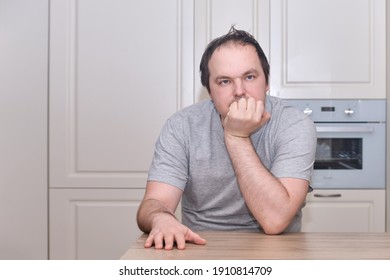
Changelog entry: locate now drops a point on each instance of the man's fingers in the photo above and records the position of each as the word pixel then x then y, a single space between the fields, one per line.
pixel 149 241
pixel 194 238
pixel 252 105
pixel 159 241
pixel 180 242
pixel 169 241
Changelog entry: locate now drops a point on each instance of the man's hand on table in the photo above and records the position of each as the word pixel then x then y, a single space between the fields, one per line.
pixel 167 231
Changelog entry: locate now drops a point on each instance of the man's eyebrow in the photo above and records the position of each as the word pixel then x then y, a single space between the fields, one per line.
pixel 222 77
pixel 251 71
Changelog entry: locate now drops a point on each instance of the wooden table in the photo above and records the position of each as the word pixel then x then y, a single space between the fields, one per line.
pixel 298 246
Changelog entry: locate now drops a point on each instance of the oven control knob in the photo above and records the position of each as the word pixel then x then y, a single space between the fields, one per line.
pixel 349 111
pixel 308 111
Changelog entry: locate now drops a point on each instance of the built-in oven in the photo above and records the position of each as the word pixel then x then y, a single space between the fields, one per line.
pixel 351 142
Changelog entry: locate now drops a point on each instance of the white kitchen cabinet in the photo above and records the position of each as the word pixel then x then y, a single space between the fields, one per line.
pixel 118 70
pixel 345 211
pixel 93 223
pixel 328 49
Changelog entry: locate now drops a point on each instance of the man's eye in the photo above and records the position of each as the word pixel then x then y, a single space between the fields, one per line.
pixel 224 82
pixel 250 77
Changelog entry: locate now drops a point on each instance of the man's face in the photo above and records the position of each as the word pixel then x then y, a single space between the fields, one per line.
pixel 235 72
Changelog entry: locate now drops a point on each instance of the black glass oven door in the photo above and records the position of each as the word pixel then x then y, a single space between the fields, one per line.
pixel 339 153
pixel 350 156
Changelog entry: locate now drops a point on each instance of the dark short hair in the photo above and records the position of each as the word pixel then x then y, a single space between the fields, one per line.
pixel 235 36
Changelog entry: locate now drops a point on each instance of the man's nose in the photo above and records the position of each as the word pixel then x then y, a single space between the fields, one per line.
pixel 239 88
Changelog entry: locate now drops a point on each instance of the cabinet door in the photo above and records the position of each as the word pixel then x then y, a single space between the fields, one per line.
pixel 328 49
pixel 118 70
pixel 344 211
pixel 214 18
pixel 93 224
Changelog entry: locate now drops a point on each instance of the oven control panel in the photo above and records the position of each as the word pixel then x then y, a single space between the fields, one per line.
pixel 367 110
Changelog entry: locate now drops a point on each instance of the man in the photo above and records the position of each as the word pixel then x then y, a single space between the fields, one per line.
pixel 240 161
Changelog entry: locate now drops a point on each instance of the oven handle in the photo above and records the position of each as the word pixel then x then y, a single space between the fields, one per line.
pixel 327 195
pixel 359 129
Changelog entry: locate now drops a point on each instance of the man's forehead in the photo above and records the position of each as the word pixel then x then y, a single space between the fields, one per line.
pixel 230 45
pixel 234 56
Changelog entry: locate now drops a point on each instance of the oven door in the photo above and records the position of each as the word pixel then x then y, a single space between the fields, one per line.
pixel 350 155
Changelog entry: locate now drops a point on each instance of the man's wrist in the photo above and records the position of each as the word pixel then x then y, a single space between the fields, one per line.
pixel 156 213
pixel 235 136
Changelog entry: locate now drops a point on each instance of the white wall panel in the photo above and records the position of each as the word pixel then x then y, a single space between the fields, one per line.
pixel 23 129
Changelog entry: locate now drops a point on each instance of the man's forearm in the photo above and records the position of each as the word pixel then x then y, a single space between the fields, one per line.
pixel 264 194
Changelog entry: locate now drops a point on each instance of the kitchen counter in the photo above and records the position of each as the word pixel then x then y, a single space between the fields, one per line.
pixel 299 246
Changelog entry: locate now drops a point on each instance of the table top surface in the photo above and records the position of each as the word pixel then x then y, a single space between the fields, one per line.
pixel 299 246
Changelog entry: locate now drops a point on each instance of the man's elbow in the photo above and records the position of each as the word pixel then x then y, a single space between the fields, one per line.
pixel 273 231
pixel 141 219
pixel 274 228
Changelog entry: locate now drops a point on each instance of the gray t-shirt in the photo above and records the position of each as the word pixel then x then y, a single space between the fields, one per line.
pixel 191 155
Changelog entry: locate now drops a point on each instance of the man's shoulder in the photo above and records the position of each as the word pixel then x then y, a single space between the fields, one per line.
pixel 280 106
pixel 195 111
pixel 274 104
pixel 203 105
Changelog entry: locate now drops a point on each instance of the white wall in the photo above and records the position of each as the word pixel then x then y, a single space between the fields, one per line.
pixel 23 129
pixel 388 115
